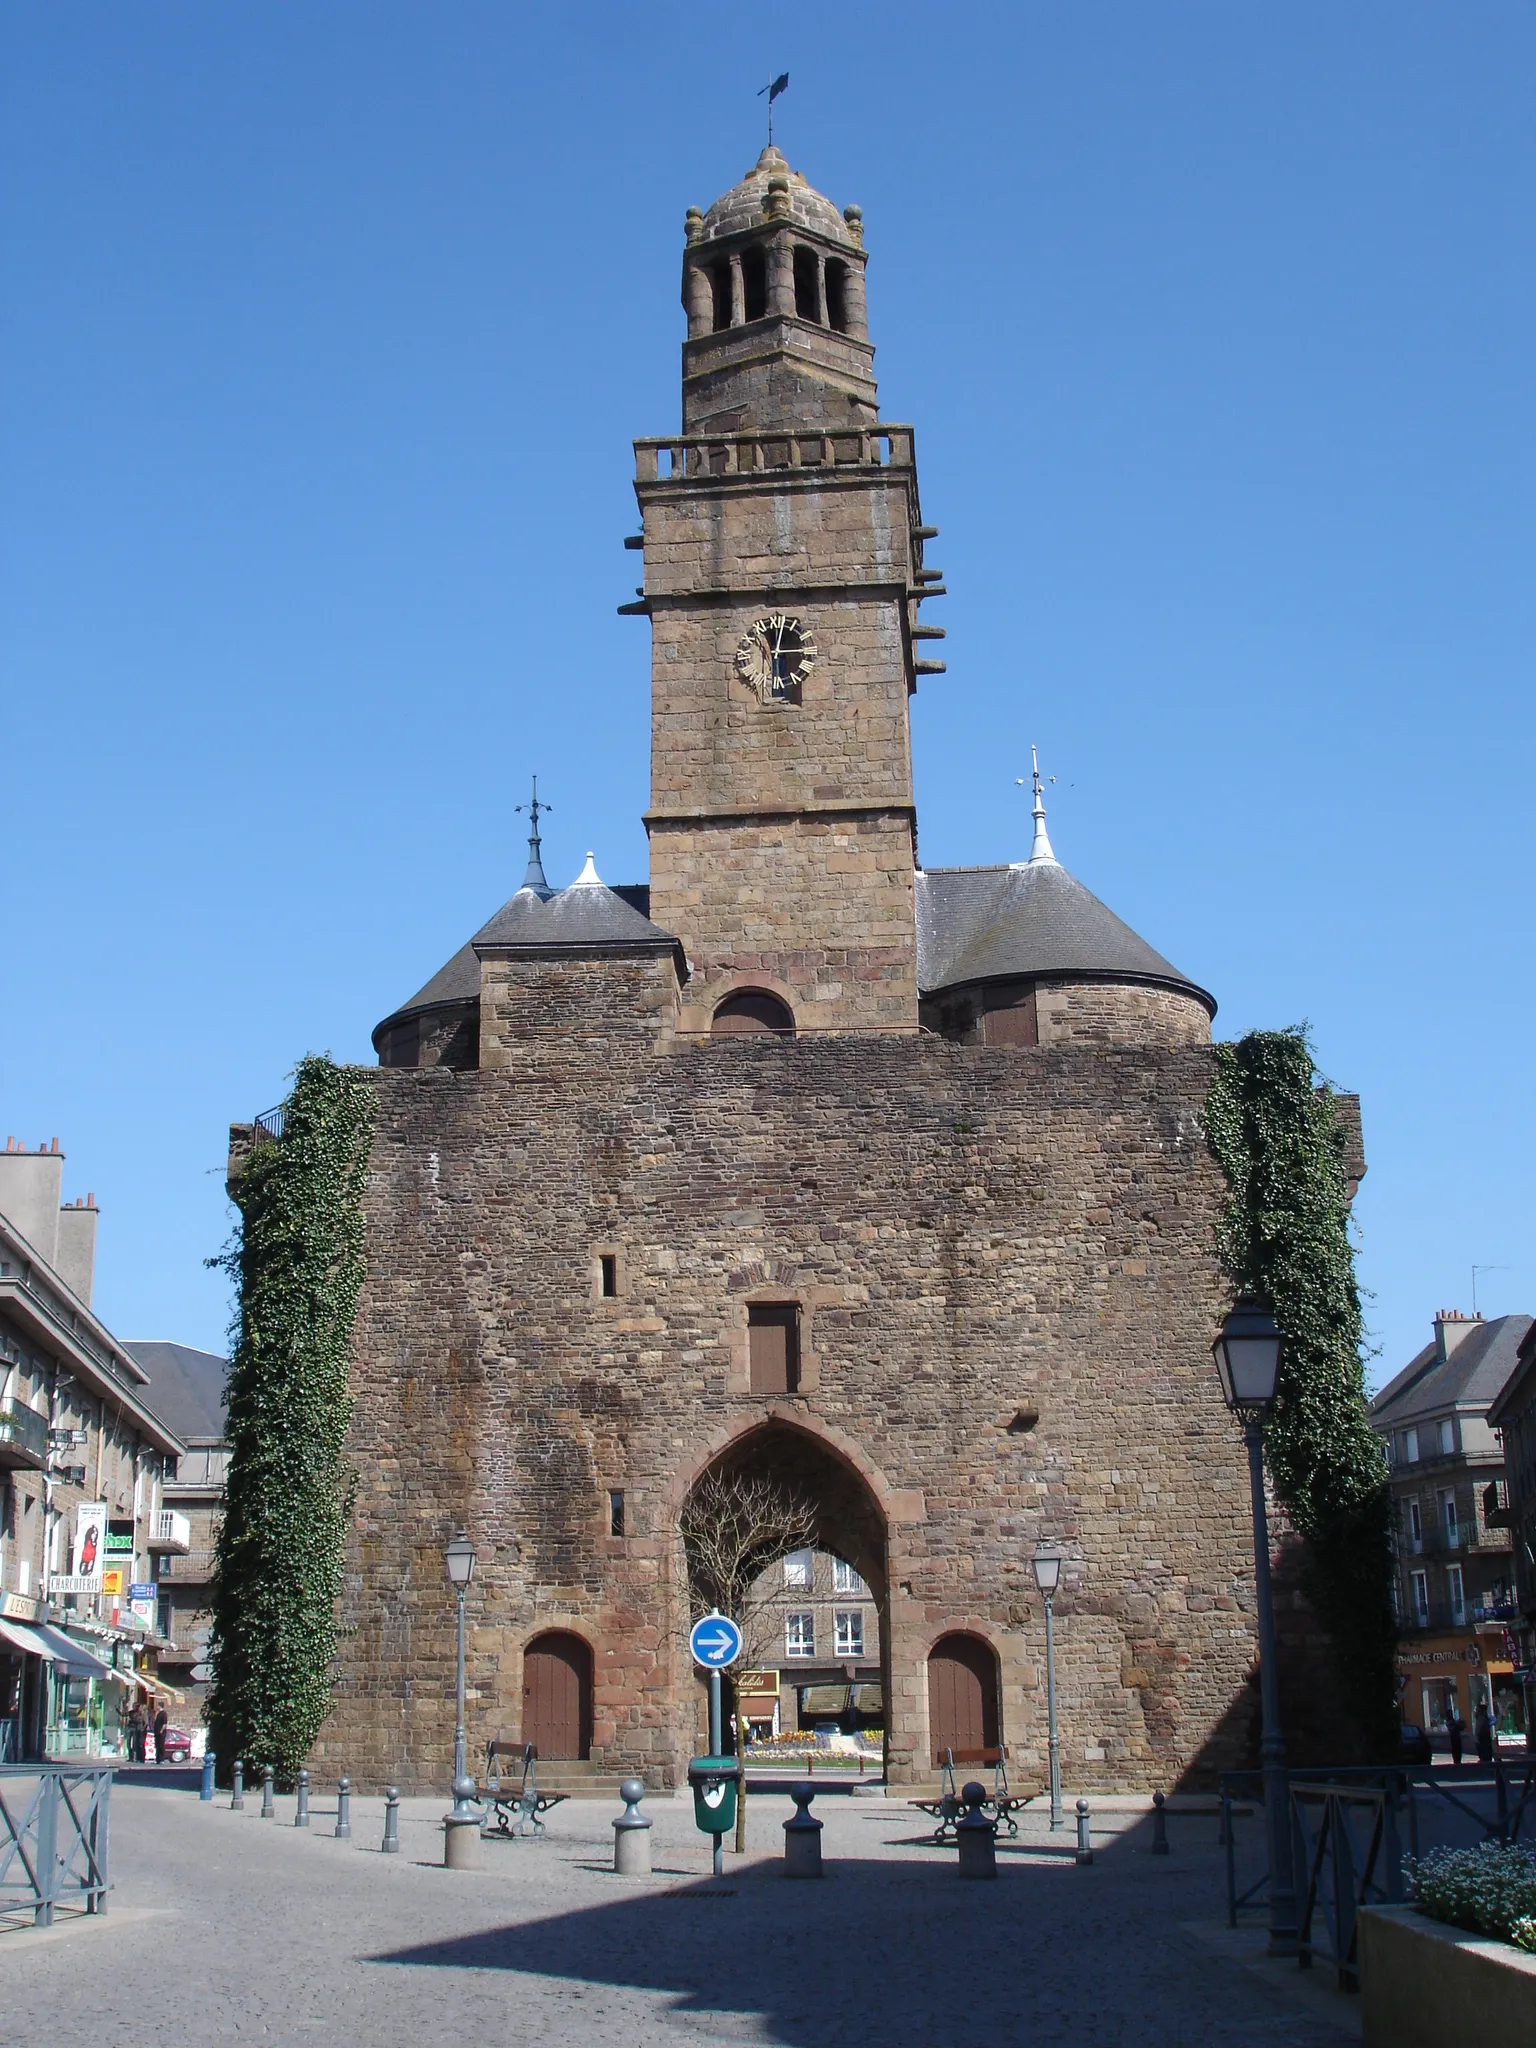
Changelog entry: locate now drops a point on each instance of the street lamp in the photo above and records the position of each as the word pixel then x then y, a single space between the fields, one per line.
pixel 459 1558
pixel 1247 1353
pixel 1047 1565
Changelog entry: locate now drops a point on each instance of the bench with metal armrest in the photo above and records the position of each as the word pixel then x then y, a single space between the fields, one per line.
pixel 514 1804
pixel 1001 1803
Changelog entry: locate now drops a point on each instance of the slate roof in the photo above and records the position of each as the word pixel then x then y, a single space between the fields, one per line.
pixel 186 1389
pixel 586 914
pixel 985 924
pixel 1473 1376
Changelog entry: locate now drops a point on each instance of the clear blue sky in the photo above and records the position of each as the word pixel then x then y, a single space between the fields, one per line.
pixel 325 331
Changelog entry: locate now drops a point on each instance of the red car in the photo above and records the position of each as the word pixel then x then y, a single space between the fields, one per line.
pixel 178 1745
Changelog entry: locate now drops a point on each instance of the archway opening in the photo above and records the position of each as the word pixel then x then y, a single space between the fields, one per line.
pixel 557 1696
pixel 814 1605
pixel 963 1699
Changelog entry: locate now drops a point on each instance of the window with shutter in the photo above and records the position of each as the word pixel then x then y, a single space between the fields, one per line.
pixel 773 1342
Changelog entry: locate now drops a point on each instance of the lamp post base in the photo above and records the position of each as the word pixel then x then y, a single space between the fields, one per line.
pixel 461 1842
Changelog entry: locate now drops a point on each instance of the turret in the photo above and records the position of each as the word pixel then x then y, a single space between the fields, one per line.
pixel 773 285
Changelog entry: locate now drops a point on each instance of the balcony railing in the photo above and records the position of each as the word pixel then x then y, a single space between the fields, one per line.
pixel 1437 1541
pixel 171 1532
pixel 680 458
pixel 23 1436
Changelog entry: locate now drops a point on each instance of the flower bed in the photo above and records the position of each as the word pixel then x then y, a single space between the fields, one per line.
pixel 1488 1890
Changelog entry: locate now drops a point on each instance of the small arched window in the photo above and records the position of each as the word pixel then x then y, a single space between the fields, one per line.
pixel 752 1012
pixel 837 295
pixel 807 284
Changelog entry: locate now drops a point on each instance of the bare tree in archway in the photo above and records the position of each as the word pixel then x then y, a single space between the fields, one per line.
pixel 734 1525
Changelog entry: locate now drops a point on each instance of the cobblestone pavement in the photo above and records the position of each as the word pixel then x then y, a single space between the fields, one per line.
pixel 224 1927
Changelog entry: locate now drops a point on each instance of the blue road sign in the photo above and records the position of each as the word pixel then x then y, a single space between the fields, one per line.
pixel 714 1642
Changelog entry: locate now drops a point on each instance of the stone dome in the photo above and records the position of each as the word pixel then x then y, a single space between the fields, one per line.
pixel 743 206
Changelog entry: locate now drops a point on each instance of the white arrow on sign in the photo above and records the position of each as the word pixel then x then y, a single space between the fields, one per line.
pixel 715 1642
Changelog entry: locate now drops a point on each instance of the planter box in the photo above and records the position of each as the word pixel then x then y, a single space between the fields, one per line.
pixel 1423 1984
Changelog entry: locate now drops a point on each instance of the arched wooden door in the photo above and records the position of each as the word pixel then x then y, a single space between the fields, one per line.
pixel 557 1696
pixel 962 1696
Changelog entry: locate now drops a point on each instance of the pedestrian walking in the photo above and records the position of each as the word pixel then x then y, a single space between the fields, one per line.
pixel 163 1721
pixel 1483 1734
pixel 1456 1728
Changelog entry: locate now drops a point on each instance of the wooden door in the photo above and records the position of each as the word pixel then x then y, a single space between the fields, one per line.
pixel 557 1696
pixel 962 1696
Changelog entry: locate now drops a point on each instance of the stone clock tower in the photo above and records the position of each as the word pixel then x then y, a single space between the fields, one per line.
pixel 783 549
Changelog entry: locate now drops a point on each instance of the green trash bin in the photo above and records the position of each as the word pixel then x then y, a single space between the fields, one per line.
pixel 714 1780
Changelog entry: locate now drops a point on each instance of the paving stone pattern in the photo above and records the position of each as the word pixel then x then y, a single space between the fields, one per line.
pixel 227 1928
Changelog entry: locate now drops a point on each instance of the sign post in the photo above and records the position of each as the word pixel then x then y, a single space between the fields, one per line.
pixel 714 1644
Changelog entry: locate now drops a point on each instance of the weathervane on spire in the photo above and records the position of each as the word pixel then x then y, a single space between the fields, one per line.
pixel 773 89
pixel 534 878
pixel 1041 849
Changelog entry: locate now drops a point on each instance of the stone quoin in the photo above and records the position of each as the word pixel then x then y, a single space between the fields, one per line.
pixel 799 1160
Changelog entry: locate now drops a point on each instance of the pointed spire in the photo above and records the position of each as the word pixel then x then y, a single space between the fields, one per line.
pixel 589 878
pixel 533 878
pixel 1040 852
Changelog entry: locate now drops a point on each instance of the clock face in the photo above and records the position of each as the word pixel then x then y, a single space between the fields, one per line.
pixel 775 656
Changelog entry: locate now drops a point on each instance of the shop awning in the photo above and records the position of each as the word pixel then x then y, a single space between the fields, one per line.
pixel 76 1658
pixel 25 1639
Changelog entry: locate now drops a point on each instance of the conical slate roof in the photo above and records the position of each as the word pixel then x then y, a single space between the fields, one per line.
pixel 586 915
pixel 991 924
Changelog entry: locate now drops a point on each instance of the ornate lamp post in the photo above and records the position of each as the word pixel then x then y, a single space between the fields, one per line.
pixel 1247 1353
pixel 459 1558
pixel 1047 1564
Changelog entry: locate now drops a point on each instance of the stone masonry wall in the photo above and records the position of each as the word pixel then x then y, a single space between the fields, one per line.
pixel 1118 1013
pixel 976 1236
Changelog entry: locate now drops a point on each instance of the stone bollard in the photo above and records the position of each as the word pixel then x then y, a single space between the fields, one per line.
pixel 237 1787
pixel 268 1805
pixel 461 1841
pixel 1084 1839
pixel 1159 1826
pixel 344 1810
pixel 391 1843
pixel 632 1833
pixel 976 1835
pixel 301 1810
pixel 802 1836
pixel 205 1790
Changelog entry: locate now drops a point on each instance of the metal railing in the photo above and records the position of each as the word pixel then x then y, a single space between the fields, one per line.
pixel 53 1839
pixel 267 1125
pixel 195 1566
pixel 23 1432
pixel 1346 1855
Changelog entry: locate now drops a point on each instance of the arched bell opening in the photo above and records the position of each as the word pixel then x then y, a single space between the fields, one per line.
pixel 816 1619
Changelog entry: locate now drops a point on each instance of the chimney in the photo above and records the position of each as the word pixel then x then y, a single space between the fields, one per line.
pixel 1450 1327
pixel 31 1184
pixel 76 1262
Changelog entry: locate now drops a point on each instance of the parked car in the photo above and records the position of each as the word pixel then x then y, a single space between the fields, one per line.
pixel 1416 1745
pixel 178 1745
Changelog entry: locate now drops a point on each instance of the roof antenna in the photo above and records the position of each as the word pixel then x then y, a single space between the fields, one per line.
pixel 534 878
pixel 1040 851
pixel 1482 1269
pixel 778 85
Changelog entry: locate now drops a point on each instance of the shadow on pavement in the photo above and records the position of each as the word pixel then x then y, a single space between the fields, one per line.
pixel 911 1952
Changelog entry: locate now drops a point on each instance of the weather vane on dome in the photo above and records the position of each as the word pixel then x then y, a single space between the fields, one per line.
pixel 773 89
pixel 1041 849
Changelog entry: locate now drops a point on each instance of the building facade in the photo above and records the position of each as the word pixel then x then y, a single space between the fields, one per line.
pixel 1513 1415
pixel 82 1458
pixel 1454 1591
pixel 800 1159
pixel 186 1391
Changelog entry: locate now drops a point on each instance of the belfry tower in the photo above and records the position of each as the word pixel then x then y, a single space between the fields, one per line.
pixel 783 549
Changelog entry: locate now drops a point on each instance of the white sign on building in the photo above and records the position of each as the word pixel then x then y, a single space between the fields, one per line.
pixel 90 1545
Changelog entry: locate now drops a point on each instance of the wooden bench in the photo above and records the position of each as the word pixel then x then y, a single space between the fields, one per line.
pixel 1001 1803
pixel 515 1806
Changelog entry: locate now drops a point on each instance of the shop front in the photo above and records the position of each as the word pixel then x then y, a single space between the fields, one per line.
pixel 1466 1671
pixel 87 1699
